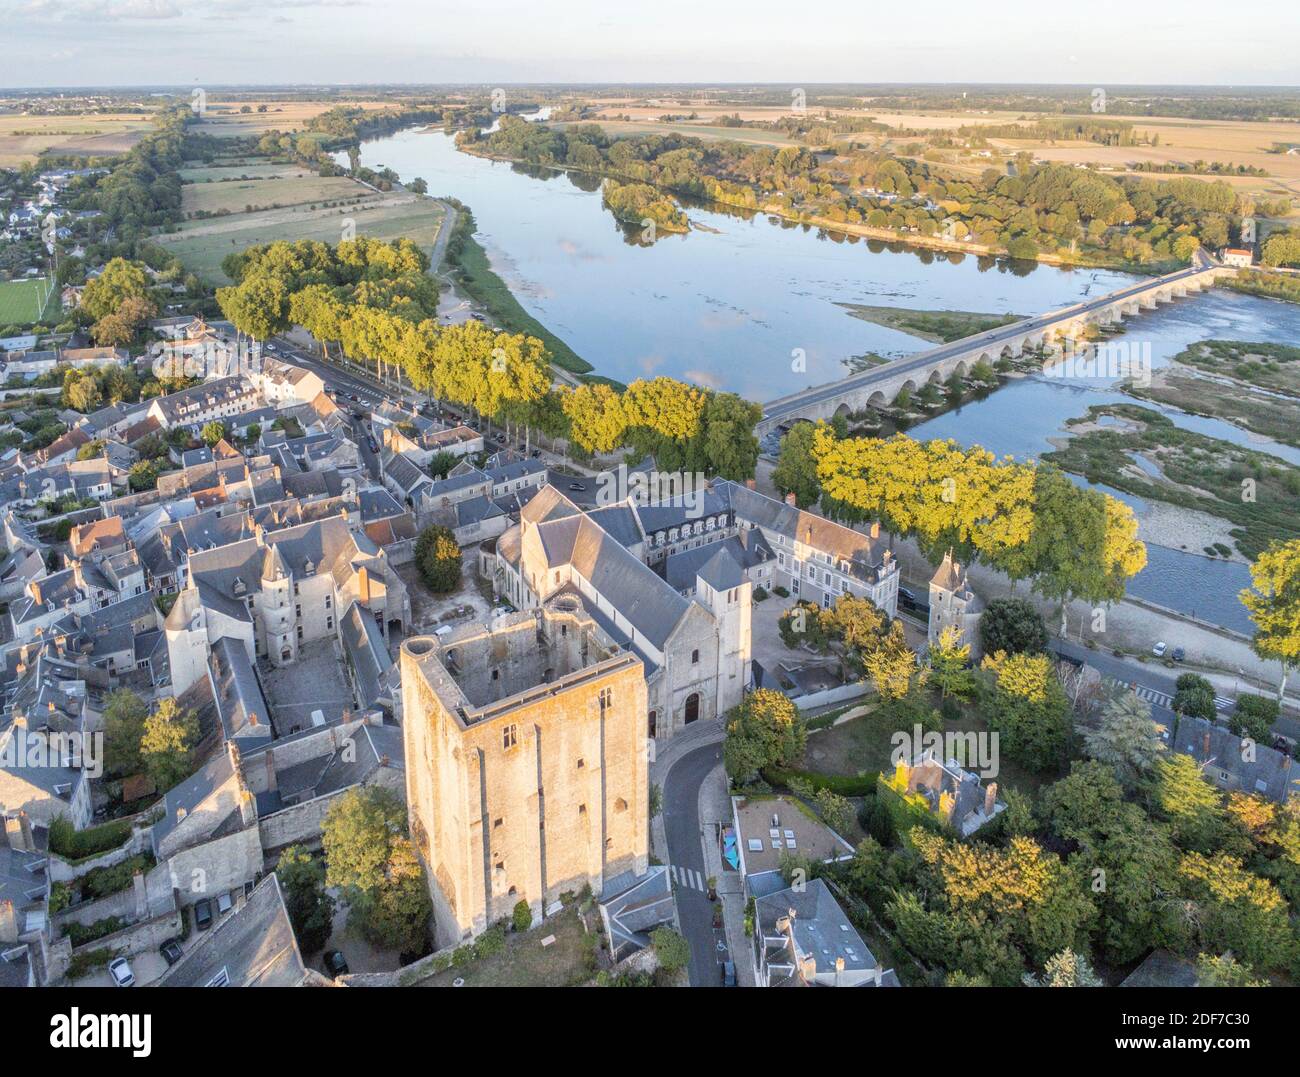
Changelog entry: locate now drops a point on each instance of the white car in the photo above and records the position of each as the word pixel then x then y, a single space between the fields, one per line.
pixel 120 970
pixel 1159 649
pixel 445 630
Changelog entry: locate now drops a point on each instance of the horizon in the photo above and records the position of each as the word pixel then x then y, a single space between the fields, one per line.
pixel 232 43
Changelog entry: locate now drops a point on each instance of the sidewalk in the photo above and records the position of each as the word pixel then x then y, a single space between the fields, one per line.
pixel 715 809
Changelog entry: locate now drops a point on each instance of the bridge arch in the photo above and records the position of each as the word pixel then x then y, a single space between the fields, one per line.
pixel 877 400
pixel 959 370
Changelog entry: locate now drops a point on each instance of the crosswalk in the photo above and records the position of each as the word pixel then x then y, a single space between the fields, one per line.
pixel 687 877
pixel 1164 699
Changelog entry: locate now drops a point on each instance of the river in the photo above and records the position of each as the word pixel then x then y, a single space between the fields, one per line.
pixel 741 300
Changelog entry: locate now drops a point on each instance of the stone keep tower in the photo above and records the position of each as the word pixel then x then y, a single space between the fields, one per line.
pixel 952 602
pixel 526 764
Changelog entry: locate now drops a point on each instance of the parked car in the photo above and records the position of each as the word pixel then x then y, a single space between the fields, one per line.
pixel 120 970
pixel 171 951
pixel 374 445
pixel 1159 649
pixel 577 486
pixel 203 914
pixel 728 974
pixel 335 963
pixel 1179 654
pixel 224 903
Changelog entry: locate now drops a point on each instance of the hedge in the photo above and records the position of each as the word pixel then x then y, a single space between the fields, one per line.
pixel 72 844
pixel 846 786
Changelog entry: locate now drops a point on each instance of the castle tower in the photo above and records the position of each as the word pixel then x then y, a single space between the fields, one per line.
pixel 952 602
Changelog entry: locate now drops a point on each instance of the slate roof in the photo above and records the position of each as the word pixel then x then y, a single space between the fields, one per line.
pixel 254 946
pixel 371 663
pixel 192 792
pixel 1271 773
pixel 240 704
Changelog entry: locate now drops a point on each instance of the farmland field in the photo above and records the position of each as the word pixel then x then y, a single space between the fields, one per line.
pixel 201 245
pixel 20 301
pixel 235 195
pixel 24 138
pixel 224 120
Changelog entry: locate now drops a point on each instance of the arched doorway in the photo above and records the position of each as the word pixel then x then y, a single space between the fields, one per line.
pixel 692 707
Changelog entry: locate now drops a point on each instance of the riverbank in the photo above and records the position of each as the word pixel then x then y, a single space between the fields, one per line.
pixel 936 326
pixel 849 228
pixel 477 279
pixel 1148 456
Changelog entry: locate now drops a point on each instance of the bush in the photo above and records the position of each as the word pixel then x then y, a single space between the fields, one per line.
pixel 1254 717
pixel 84 933
pixel 845 785
pixel 72 844
pixel 522 918
pixel 759 594
pixel 670 948
pixel 81 964
pixel 100 882
pixel 780 592
pixel 1194 696
pixel 1012 625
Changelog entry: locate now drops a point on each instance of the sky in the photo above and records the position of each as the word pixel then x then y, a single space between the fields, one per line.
pixel 332 42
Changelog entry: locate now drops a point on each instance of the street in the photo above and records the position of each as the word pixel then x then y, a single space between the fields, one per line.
pixel 681 814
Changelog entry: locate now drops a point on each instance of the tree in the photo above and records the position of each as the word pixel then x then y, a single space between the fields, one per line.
pixel 671 949
pixel 1274 605
pixel 796 469
pixel 81 391
pixel 212 432
pixel 949 661
pixel 835 810
pixel 437 556
pixel 1069 968
pixel 1237 910
pixel 310 908
pixel 1254 717
pixel 370 858
pixel 763 730
pixel 597 422
pixel 1028 709
pixel 892 665
pixel 124 717
pixel 121 280
pixel 1194 696
pixel 1190 803
pixel 1125 739
pixel 1225 971
pixel 167 744
pixel 1013 625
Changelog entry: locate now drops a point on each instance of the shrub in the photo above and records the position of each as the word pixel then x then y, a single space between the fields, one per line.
pixel 522 918
pixel 437 556
pixel 1254 717
pixel 84 933
pixel 81 964
pixel 72 844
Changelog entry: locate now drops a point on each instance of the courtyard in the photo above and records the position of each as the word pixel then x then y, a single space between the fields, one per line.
pixel 315 682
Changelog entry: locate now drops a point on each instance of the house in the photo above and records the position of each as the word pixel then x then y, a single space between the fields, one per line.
pixel 802 938
pixel 41 774
pixel 953 604
pixel 254 946
pixel 1235 764
pixel 943 790
pixel 767 831
pixel 24 902
pixel 213 400
pixel 1237 256
pixel 282 384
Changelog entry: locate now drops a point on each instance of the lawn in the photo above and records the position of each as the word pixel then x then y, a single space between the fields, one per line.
pixel 525 962
pixel 862 746
pixel 20 301
pixel 233 195
pixel 201 245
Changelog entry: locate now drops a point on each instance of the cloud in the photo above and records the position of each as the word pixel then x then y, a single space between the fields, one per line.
pixel 154 10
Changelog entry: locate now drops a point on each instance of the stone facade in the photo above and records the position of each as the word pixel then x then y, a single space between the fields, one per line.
pixel 527 771
pixel 953 603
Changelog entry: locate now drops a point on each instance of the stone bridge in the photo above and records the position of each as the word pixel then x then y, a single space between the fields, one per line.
pixel 878 386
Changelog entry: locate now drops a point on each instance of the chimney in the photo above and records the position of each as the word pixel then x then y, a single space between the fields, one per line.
pixel 751 484
pixel 990 797
pixel 808 969
pixel 271 785
pixel 875 529
pixel 363 585
pixel 790 498
pixel 18 831
pixel 1206 743
pixel 247 808
pixel 141 895
pixel 839 970
pixel 8 923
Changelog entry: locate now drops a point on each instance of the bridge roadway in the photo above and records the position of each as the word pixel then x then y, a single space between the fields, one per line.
pixel 879 385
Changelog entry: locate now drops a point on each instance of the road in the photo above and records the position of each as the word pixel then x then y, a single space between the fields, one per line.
pixel 681 812
pixel 994 338
pixel 1155 683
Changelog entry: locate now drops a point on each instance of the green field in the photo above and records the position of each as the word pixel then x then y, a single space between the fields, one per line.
pixel 201 245
pixel 20 301
pixel 238 195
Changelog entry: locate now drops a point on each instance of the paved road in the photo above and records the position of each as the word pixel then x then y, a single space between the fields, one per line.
pixel 1155 683
pixel 994 338
pixel 686 861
